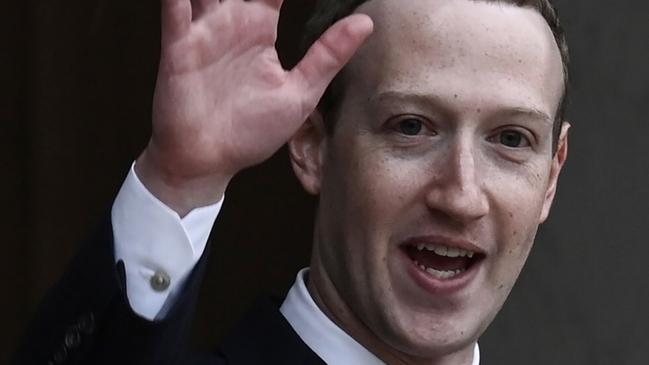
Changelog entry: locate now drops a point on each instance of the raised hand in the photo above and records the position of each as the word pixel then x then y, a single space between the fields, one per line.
pixel 223 102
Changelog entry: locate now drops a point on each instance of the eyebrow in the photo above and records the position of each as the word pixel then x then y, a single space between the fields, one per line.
pixel 439 104
pixel 528 112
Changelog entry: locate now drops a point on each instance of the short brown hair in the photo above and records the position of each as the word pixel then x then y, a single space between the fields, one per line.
pixel 327 12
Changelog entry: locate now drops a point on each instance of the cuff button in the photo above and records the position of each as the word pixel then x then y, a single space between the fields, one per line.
pixel 160 281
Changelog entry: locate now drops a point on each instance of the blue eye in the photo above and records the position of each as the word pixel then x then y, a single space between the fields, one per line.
pixel 513 139
pixel 410 126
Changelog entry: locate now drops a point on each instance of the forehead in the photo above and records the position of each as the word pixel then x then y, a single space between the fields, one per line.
pixel 484 51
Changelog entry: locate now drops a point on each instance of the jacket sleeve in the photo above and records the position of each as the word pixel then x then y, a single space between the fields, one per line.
pixel 86 318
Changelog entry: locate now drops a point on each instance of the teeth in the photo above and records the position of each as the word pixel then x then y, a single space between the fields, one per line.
pixel 441 250
pixel 452 252
pixel 442 274
pixel 445 251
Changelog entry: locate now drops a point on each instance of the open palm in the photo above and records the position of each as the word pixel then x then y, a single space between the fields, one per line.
pixel 223 101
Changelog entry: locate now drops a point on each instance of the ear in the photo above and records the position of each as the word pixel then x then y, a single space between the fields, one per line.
pixel 557 164
pixel 307 150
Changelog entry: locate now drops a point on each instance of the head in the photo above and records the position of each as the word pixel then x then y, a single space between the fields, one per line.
pixel 434 163
pixel 327 12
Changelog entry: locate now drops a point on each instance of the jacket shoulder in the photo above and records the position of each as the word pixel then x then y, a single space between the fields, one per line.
pixel 264 336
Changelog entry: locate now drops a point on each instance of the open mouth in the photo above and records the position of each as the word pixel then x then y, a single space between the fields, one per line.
pixel 441 262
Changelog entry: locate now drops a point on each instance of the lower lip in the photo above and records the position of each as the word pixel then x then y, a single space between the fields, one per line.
pixel 438 286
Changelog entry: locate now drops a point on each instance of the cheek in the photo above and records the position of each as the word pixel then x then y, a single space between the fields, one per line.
pixel 515 213
pixel 372 188
pixel 518 239
pixel 516 194
pixel 367 195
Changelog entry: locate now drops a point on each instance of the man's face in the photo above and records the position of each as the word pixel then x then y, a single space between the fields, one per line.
pixel 442 147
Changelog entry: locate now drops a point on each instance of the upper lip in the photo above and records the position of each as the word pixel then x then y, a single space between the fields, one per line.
pixel 447 241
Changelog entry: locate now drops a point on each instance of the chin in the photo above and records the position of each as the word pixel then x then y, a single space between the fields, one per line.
pixel 432 337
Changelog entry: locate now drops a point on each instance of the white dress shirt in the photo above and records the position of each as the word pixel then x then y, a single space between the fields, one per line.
pixel 151 238
pixel 322 335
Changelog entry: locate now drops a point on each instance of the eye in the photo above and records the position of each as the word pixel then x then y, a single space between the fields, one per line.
pixel 410 126
pixel 512 139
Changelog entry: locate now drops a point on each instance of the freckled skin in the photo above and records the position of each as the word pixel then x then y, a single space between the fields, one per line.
pixel 377 187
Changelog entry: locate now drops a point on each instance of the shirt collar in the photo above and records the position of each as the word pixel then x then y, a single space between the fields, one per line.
pixel 323 336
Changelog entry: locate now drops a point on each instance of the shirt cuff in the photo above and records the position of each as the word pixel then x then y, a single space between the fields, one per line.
pixel 158 248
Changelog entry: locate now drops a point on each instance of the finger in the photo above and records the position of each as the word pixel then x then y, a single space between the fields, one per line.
pixel 176 19
pixel 275 4
pixel 330 53
pixel 201 7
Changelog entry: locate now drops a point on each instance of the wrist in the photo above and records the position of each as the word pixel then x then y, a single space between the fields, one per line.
pixel 179 190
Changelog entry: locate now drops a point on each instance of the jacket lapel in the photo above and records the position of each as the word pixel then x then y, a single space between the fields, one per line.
pixel 265 337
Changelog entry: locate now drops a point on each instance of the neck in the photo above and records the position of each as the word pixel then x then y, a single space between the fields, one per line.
pixel 326 296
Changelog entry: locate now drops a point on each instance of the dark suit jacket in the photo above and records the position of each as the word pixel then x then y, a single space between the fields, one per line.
pixel 86 319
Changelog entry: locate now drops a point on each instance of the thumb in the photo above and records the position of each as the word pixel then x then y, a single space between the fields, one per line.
pixel 176 19
pixel 329 54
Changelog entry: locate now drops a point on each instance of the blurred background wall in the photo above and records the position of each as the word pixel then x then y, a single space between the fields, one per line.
pixel 77 79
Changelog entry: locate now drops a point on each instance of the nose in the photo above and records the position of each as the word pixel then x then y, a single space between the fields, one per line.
pixel 458 187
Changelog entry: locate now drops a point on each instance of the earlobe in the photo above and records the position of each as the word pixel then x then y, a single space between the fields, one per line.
pixel 558 161
pixel 306 150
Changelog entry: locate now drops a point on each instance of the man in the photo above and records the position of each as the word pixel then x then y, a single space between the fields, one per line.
pixel 435 155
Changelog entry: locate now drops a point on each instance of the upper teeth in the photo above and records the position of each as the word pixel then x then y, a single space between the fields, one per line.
pixel 445 251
